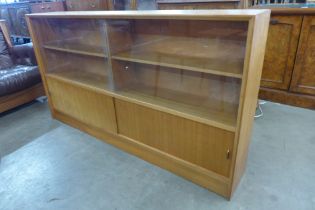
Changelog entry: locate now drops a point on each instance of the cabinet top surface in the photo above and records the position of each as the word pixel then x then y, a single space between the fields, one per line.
pixel 157 14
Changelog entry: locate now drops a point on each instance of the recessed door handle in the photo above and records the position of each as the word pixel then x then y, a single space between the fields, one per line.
pixel 228 154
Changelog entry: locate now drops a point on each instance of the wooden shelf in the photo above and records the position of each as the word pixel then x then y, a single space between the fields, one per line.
pixel 220 119
pixel 82 78
pixel 75 51
pixel 150 58
pixel 189 54
pixel 75 48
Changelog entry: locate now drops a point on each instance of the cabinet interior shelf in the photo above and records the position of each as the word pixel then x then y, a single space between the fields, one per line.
pixel 87 79
pixel 76 46
pixel 74 51
pixel 146 58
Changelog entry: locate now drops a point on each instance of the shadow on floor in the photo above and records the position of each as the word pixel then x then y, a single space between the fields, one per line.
pixel 24 124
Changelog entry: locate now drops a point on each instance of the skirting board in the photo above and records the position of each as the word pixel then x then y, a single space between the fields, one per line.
pixel 285 97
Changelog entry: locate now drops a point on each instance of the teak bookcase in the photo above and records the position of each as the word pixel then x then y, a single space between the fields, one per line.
pixel 176 88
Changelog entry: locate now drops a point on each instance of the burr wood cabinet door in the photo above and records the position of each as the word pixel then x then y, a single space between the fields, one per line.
pixel 197 143
pixel 303 79
pixel 89 107
pixel 280 53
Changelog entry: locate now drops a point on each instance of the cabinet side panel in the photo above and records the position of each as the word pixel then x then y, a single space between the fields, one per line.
pixel 35 32
pixel 91 108
pixel 256 45
pixel 191 141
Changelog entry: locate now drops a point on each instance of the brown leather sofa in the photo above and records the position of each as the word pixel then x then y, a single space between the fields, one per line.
pixel 20 80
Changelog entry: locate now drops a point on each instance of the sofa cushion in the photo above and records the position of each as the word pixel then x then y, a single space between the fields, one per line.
pixel 5 58
pixel 18 78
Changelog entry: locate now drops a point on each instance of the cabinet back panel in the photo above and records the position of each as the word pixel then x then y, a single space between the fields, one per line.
pixel 193 28
pixel 69 33
pixel 89 70
pixel 194 142
pixel 210 44
pixel 216 93
pixel 62 62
